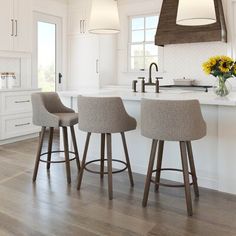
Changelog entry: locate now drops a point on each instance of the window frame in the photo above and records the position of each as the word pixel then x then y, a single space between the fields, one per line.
pixel 130 43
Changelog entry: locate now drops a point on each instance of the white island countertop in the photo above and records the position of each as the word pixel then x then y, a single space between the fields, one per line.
pixel 205 98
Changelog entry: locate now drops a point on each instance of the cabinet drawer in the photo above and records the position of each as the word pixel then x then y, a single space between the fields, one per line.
pixel 17 103
pixel 17 126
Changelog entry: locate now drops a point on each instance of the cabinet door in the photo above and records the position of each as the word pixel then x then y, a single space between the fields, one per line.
pixel 83 62
pixel 6 25
pixel 23 25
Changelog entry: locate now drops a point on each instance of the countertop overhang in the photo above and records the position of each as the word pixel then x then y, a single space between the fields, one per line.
pixel 204 98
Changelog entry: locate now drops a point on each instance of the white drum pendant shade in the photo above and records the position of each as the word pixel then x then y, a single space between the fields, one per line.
pixel 196 12
pixel 104 18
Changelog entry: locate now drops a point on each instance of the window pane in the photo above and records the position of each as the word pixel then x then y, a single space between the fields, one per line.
pixel 137 63
pixel 151 22
pixel 137 50
pixel 150 35
pixel 138 36
pixel 151 50
pixel 149 60
pixel 137 23
pixel 46 56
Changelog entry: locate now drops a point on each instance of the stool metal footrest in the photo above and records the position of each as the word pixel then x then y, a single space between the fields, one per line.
pixel 170 185
pixel 105 172
pixel 46 153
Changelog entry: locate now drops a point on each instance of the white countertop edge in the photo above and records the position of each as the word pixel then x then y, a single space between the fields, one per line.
pixel 126 94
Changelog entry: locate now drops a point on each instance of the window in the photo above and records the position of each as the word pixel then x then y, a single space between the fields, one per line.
pixel 142 50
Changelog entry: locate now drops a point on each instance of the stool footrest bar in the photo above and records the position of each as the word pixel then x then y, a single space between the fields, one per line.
pixel 105 172
pixel 46 153
pixel 169 185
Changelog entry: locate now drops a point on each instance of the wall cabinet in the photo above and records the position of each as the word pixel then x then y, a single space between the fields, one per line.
pixel 79 13
pixel 91 58
pixel 15 25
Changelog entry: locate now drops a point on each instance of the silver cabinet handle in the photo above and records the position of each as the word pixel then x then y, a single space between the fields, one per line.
pixel 16 28
pixel 19 125
pixel 97 66
pixel 12 27
pixel 81 26
pixel 23 101
pixel 84 26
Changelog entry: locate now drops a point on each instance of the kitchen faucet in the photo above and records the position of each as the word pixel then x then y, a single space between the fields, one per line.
pixel 150 72
pixel 149 83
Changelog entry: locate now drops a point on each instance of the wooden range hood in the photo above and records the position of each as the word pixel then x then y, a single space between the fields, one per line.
pixel 168 32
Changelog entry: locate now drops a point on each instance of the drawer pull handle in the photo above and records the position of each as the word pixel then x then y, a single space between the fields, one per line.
pixel 22 101
pixel 22 125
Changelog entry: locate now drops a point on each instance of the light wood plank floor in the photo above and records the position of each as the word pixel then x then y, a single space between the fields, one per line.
pixel 50 207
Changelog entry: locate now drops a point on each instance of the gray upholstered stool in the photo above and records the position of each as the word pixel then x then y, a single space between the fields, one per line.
pixel 104 115
pixel 180 121
pixel 49 112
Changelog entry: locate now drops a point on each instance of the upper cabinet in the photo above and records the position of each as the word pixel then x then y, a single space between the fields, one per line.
pixel 79 17
pixel 16 25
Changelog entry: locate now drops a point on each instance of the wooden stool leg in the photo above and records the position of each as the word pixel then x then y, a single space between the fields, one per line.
pixel 39 151
pixel 103 136
pixel 149 172
pixel 159 163
pixel 186 178
pixel 109 162
pixel 67 157
pixel 192 167
pixel 127 159
pixel 72 130
pixel 50 139
pixel 83 161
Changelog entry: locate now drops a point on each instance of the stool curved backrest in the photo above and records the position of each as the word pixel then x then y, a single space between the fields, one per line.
pixel 104 115
pixel 172 120
pixel 44 104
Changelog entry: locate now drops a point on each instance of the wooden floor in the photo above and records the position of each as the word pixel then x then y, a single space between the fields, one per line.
pixel 50 207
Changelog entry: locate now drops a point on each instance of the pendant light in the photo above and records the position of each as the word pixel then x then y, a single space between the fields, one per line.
pixel 196 12
pixel 104 18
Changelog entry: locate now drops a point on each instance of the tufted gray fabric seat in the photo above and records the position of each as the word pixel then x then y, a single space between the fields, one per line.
pixel 104 115
pixel 49 112
pixel 182 121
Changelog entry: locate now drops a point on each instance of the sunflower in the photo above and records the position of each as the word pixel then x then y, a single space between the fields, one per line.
pixel 224 66
pixel 234 69
pixel 207 67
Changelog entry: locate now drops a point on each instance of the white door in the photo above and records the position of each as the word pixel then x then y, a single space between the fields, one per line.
pixel 6 25
pixel 83 62
pixel 47 53
pixel 23 25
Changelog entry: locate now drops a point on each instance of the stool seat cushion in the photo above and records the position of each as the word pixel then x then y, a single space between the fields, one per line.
pixel 49 111
pixel 67 119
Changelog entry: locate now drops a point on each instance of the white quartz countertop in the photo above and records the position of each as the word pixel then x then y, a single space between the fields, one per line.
pixel 166 94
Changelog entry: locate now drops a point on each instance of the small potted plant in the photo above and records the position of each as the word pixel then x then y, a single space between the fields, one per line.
pixel 223 68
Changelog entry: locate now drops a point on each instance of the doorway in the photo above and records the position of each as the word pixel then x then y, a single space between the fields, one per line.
pixel 47 52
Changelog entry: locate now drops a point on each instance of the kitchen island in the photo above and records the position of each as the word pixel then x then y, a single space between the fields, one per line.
pixel 215 154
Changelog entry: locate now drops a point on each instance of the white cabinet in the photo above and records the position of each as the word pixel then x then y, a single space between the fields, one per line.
pixel 83 62
pixel 91 57
pixel 79 13
pixel 15 25
pixel 16 114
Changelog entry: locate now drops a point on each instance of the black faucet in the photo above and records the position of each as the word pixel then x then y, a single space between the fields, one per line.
pixel 150 83
pixel 150 73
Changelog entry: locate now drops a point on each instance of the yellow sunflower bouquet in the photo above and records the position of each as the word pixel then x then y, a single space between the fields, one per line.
pixel 223 68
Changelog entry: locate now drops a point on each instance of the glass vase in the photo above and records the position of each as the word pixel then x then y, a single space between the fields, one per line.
pixel 222 87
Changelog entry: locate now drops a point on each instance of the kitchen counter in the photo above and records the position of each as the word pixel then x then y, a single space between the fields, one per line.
pixel 215 154
pixel 204 98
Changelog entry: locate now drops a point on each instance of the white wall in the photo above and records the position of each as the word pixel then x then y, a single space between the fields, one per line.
pixel 179 60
